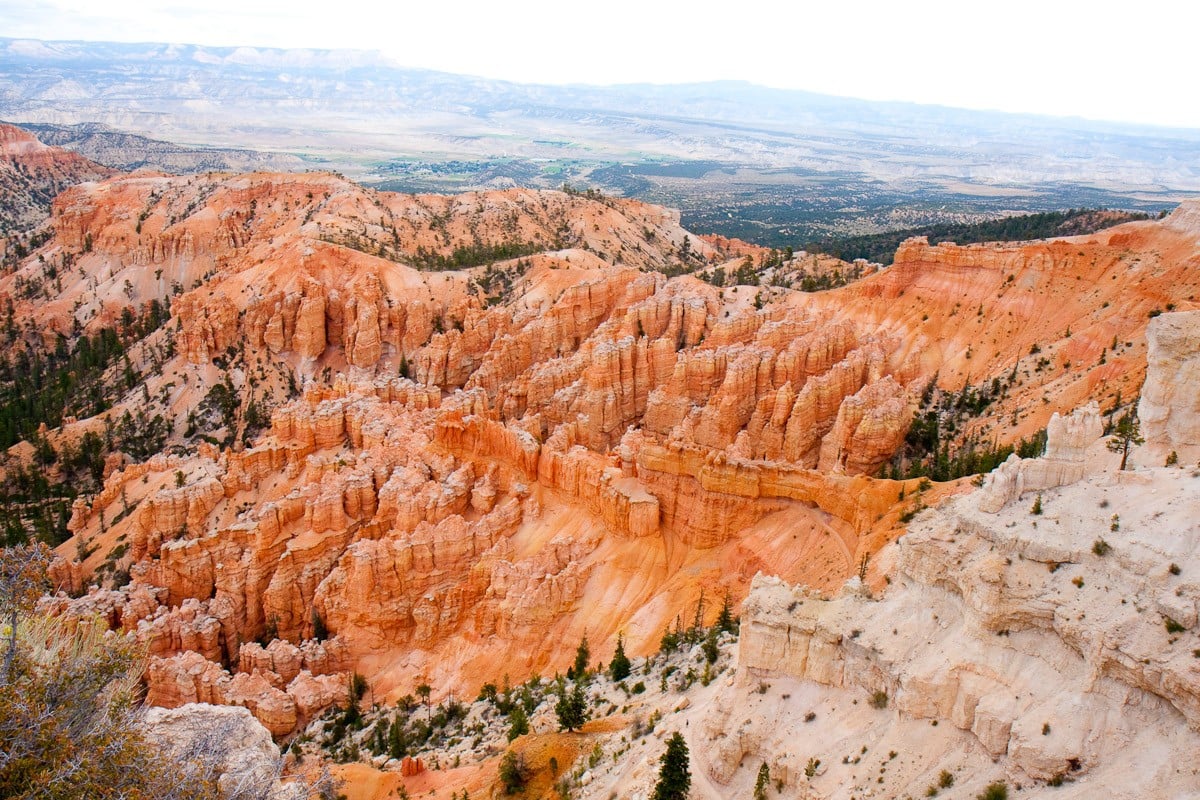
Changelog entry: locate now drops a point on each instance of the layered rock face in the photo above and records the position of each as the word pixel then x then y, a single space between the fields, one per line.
pixel 1068 440
pixel 474 466
pixel 1040 651
pixel 31 174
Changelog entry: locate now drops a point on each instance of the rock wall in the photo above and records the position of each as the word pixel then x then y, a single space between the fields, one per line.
pixel 1051 652
pixel 1169 410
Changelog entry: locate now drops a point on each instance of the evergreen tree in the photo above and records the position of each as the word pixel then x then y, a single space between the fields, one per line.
pixel 320 632
pixel 1128 431
pixel 512 773
pixel 571 707
pixel 397 741
pixel 619 668
pixel 582 656
pixel 423 691
pixel 518 722
pixel 761 783
pixel 711 651
pixel 725 621
pixel 674 778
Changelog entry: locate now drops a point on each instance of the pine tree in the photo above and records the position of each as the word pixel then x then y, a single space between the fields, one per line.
pixel 518 722
pixel 619 668
pixel 674 778
pixel 725 621
pixel 1127 432
pixel 397 744
pixel 512 773
pixel 571 707
pixel 763 780
pixel 423 691
pixel 582 656
pixel 320 632
pixel 711 651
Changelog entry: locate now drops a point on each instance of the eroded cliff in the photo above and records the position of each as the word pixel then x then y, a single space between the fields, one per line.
pixel 466 467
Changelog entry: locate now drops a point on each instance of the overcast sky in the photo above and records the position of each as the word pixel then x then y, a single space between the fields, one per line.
pixel 1130 62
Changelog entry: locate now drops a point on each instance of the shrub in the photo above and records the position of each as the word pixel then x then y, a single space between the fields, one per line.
pixel 69 727
pixel 994 791
pixel 1101 547
pixel 879 699
pixel 1173 626
pixel 945 780
pixel 513 774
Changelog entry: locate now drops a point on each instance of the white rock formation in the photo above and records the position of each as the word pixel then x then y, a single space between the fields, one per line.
pixel 1170 406
pixel 225 742
pixel 1065 462
pixel 1036 651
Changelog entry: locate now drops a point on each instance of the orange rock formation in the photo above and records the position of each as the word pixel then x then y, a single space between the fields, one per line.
pixel 460 485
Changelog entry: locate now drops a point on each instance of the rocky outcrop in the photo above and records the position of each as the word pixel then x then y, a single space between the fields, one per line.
pixel 32 173
pixel 1050 651
pixel 1068 440
pixel 223 744
pixel 280 705
pixel 1169 410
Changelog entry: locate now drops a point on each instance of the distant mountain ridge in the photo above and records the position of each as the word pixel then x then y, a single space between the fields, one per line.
pixel 772 166
pixel 128 151
pixel 239 95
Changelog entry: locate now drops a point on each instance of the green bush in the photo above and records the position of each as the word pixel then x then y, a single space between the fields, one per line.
pixel 994 791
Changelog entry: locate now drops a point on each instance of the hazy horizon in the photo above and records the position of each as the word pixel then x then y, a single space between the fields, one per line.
pixel 1074 63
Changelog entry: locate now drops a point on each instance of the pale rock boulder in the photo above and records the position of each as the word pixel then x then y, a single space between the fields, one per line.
pixel 224 742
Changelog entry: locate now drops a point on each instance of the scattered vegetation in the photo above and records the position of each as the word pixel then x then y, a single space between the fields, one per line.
pixel 881 247
pixel 934 446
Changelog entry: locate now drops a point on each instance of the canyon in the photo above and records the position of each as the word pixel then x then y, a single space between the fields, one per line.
pixel 440 439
